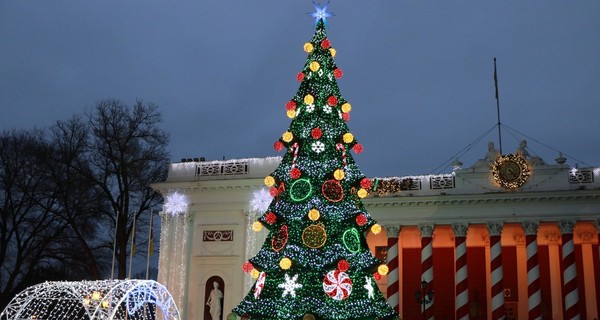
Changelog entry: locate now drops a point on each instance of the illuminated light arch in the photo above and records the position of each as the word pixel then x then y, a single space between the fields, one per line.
pixel 103 299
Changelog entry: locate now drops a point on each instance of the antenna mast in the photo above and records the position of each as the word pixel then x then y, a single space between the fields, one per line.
pixel 497 106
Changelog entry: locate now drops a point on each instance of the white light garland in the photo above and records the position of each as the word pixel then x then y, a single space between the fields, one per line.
pixel 104 299
pixel 175 203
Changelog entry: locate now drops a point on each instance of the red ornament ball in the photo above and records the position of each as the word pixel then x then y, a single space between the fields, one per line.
pixel 270 218
pixel 278 146
pixel 358 148
pixel 346 116
pixel 273 192
pixel 325 44
pixel 291 105
pixel 332 101
pixel 361 219
pixel 343 265
pixel 377 276
pixel 300 76
pixel 295 173
pixel 365 183
pixel 247 267
pixel 338 73
pixel 316 133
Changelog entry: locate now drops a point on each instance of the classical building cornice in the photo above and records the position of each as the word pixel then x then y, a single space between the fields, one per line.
pixel 484 199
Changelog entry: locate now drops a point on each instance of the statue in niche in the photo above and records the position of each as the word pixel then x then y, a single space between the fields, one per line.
pixel 489 158
pixel 214 302
pixel 522 151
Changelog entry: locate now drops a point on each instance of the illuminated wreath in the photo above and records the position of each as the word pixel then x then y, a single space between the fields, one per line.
pixel 300 190
pixel 510 171
pixel 351 239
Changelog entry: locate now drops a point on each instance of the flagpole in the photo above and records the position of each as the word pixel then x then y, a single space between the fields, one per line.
pixel 150 244
pixel 132 247
pixel 112 271
pixel 497 106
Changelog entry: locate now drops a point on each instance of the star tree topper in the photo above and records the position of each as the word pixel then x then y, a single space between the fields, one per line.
pixel 321 12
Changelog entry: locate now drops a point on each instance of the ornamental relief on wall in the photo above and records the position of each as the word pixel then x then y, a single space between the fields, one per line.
pixel 216 240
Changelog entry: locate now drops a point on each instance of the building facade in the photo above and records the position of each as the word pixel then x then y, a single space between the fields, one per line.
pixel 486 249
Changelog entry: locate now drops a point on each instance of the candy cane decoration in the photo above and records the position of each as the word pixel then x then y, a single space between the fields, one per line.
pixel 260 284
pixel 569 290
pixel 497 273
pixel 341 147
pixel 392 263
pixel 295 148
pixel 427 265
pixel 461 277
pixel 534 292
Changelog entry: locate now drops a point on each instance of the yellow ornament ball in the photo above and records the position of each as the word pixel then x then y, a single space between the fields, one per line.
pixel 376 228
pixel 287 136
pixel 308 316
pixel 269 181
pixel 314 215
pixel 383 269
pixel 254 274
pixel 346 107
pixel 339 174
pixel 257 226
pixel 285 263
pixel 291 114
pixel 309 99
pixel 308 47
pixel 348 137
pixel 332 51
pixel 362 193
pixel 314 66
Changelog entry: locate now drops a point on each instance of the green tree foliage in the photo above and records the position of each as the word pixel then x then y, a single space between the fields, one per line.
pixel 316 263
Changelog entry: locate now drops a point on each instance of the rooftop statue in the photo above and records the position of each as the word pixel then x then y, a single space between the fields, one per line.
pixel 489 158
pixel 522 151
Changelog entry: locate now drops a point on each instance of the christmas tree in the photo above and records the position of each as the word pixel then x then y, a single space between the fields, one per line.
pixel 315 263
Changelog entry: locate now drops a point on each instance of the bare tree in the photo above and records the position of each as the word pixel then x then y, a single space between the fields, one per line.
pixel 27 228
pixel 127 154
pixel 79 202
pixel 63 190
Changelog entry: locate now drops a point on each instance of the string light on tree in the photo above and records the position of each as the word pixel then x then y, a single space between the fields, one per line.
pixel 317 223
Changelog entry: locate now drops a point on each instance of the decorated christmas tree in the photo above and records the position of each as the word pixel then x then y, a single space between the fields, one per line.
pixel 315 263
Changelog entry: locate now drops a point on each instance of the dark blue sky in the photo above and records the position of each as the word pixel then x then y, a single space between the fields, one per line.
pixel 419 74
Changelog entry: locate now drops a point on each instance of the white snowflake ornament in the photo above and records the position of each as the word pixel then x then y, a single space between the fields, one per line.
pixel 369 287
pixel 290 285
pixel 317 147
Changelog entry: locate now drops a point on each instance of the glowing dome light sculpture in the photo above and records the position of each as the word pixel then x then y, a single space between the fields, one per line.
pixel 104 299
